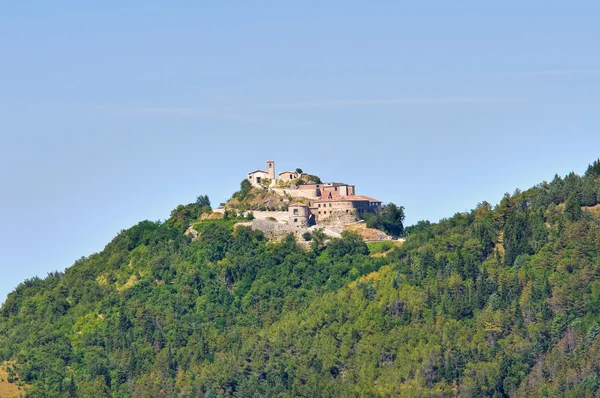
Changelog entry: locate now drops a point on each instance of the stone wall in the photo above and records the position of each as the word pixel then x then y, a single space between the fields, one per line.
pixel 275 230
pixel 337 219
pixel 287 176
pixel 299 216
pixel 295 193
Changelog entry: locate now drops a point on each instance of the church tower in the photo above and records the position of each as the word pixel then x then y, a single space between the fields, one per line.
pixel 271 169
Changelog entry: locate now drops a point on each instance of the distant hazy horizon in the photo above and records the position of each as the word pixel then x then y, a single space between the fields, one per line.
pixel 114 113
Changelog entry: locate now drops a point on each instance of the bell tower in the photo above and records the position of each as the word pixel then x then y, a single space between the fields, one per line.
pixel 271 169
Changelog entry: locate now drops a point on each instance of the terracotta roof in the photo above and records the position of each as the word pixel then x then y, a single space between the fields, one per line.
pixel 293 172
pixel 355 197
pixel 258 171
pixel 350 198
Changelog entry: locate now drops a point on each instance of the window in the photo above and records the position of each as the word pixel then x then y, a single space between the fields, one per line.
pixel 295 220
pixel 330 205
pixel 319 212
pixel 295 212
pixel 258 179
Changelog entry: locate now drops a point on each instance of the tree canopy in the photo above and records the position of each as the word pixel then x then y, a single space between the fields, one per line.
pixel 390 219
pixel 500 301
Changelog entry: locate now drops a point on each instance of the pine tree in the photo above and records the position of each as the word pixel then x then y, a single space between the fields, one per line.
pixel 572 207
pixel 593 169
pixel 518 320
pixel 517 236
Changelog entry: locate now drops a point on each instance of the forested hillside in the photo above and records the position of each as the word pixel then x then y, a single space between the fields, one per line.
pixel 499 302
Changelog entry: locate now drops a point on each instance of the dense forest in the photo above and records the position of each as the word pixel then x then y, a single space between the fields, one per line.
pixel 501 301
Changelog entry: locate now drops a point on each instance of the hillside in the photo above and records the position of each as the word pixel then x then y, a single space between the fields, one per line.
pixel 501 301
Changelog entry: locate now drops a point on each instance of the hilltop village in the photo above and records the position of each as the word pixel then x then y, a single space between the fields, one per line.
pixel 324 203
pixel 297 202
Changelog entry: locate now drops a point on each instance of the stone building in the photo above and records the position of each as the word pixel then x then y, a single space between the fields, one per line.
pixel 336 190
pixel 346 207
pixel 310 190
pixel 257 176
pixel 329 202
pixel 300 215
pixel 271 169
pixel 288 176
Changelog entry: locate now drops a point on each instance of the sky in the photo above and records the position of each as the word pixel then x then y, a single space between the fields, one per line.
pixel 115 112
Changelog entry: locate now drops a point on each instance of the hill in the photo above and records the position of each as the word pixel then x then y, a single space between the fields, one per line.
pixel 499 301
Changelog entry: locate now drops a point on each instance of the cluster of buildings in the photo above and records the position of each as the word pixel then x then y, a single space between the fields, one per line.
pixel 327 202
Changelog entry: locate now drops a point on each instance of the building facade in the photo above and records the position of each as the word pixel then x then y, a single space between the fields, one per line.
pixel 337 190
pixel 258 177
pixel 329 202
pixel 288 176
pixel 300 215
pixel 344 207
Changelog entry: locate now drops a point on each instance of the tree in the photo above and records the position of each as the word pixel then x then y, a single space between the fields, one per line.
pixel 318 238
pixel 517 236
pixel 593 169
pixel 350 243
pixel 572 207
pixel 393 219
pixel 203 201
pixel 265 182
pixel 390 220
pixel 245 188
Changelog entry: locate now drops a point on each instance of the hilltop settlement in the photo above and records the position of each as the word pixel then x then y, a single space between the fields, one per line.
pixel 297 202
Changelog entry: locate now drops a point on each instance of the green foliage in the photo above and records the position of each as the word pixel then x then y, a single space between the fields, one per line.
pixel 517 235
pixel 497 302
pixel 309 178
pixel 202 201
pixel 318 239
pixel 593 169
pixel 572 207
pixel 182 216
pixel 265 182
pixel 245 189
pixel 380 247
pixel 390 220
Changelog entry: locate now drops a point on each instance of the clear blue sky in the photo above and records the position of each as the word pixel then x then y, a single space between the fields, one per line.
pixel 111 113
